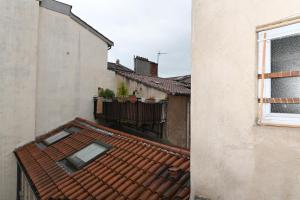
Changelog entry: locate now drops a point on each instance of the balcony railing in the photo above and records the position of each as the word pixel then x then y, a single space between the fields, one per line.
pixel 140 115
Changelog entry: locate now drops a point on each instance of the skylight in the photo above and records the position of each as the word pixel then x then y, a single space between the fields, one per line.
pixel 55 138
pixel 87 154
pixel 73 129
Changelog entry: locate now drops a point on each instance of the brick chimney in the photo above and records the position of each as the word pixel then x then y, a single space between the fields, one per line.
pixel 144 66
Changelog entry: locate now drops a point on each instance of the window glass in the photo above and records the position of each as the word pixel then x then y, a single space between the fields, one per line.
pixel 54 138
pixel 285 87
pixel 73 129
pixel 88 153
pixel 285 54
pixel 285 108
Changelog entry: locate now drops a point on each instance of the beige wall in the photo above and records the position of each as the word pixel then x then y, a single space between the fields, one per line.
pixel 177 120
pixel 50 69
pixel 18 44
pixel 72 65
pixel 232 157
pixel 144 91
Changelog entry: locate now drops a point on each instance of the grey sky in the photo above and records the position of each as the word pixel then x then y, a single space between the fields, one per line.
pixel 143 27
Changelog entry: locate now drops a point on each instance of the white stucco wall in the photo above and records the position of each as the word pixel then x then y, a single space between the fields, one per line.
pixel 18 44
pixel 143 90
pixel 232 157
pixel 72 65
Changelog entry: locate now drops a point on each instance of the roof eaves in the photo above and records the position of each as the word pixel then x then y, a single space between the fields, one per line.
pixel 66 9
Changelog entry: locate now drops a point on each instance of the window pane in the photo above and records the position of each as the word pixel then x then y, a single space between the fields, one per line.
pixel 56 137
pixel 89 152
pixel 285 108
pixel 285 54
pixel 73 129
pixel 285 87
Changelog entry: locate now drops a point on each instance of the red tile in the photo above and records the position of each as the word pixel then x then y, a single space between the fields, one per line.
pixel 133 169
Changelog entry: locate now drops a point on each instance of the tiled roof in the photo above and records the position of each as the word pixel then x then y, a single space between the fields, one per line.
pixel 118 67
pixel 163 84
pixel 133 168
pixel 183 79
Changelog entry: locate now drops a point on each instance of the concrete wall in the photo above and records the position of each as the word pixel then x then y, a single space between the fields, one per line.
pixel 18 44
pixel 232 157
pixel 177 120
pixel 72 65
pixel 143 90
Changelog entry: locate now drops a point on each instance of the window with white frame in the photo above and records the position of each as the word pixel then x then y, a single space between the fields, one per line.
pixel 279 75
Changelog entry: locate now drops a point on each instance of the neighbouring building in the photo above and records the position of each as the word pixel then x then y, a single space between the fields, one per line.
pixel 83 160
pixel 245 99
pixel 176 93
pixel 143 66
pixel 50 65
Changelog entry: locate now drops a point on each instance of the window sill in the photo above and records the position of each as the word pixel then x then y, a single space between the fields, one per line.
pixel 281 120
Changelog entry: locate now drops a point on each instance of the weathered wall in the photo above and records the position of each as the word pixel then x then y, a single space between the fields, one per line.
pixel 232 157
pixel 72 65
pixel 143 90
pixel 177 120
pixel 18 44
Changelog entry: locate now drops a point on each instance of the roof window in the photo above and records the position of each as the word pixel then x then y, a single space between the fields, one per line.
pixel 55 138
pixel 84 156
pixel 73 129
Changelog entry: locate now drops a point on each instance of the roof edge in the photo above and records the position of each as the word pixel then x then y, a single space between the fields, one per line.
pixel 174 149
pixel 66 9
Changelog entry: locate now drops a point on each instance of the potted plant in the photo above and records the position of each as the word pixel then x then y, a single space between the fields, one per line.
pixel 122 92
pixel 133 98
pixel 108 95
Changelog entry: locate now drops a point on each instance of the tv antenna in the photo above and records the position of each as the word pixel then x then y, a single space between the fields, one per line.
pixel 158 55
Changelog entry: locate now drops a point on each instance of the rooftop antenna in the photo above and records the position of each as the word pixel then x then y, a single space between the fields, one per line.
pixel 158 55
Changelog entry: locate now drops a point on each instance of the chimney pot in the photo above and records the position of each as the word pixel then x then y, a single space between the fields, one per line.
pixel 118 61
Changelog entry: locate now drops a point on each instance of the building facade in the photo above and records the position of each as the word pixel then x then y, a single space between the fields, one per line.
pixel 236 154
pixel 177 95
pixel 50 61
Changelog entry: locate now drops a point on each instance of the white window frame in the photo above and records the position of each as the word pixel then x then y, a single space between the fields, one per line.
pixel 267 116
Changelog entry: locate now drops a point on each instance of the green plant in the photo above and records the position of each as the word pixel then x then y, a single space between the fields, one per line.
pixel 122 90
pixel 108 94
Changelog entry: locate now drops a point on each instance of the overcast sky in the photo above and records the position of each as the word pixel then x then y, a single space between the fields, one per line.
pixel 143 27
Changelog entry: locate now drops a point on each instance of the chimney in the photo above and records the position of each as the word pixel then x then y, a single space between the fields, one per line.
pixel 117 61
pixel 144 66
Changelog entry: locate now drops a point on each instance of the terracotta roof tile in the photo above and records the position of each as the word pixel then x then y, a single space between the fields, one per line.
pixel 133 168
